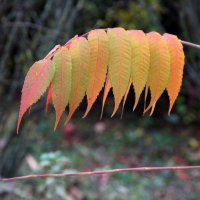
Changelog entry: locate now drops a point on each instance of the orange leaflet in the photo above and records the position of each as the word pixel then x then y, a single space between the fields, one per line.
pixel 159 67
pixel 176 67
pixel 98 43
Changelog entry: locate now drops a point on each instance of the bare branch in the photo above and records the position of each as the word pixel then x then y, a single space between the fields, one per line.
pixel 111 171
pixel 190 44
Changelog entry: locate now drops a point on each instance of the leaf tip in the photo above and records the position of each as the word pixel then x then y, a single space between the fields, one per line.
pixel 122 114
pixel 170 109
pixel 115 110
pixel 87 111
pixel 152 110
pixel 21 113
pixel 56 124
pixel 101 113
pixel 18 124
pixel 68 117
pixel 135 104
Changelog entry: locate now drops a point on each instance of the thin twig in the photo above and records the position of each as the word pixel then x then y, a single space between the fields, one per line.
pixel 190 44
pixel 111 171
pixel 53 51
pixel 34 25
pixel 28 25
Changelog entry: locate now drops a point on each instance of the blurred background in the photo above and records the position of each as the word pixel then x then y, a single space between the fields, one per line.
pixel 28 31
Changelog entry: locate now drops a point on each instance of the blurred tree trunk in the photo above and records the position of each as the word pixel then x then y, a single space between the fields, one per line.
pixel 29 29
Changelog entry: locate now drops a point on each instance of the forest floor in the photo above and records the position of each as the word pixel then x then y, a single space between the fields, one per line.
pixel 88 144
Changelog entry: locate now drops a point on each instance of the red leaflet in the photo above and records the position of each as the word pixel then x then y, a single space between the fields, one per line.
pixel 36 82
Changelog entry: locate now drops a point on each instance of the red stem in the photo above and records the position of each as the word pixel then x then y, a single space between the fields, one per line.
pixel 111 171
pixel 53 51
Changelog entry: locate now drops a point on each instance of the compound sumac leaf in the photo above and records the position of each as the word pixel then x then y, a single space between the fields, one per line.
pixel 110 58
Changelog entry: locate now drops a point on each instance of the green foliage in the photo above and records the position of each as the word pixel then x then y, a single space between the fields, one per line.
pixel 117 146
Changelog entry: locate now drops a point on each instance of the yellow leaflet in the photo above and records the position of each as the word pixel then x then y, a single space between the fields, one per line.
pixel 98 43
pixel 119 66
pixel 140 62
pixel 159 67
pixel 176 67
pixel 61 84
pixel 80 55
